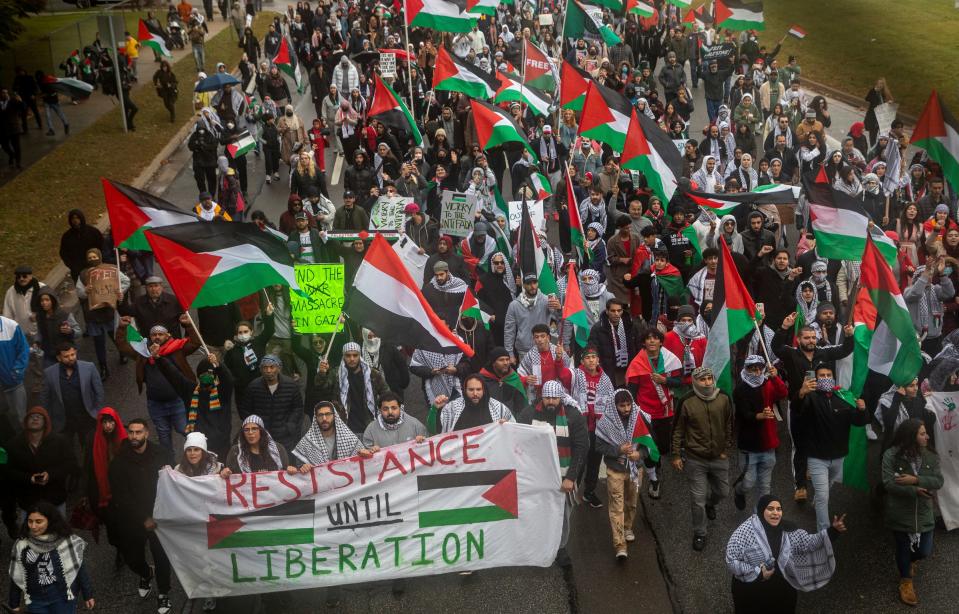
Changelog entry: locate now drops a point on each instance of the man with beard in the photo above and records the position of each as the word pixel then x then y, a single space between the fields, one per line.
pixel 797 362
pixel 391 427
pixel 438 372
pixel 828 330
pixel 688 344
pixel 474 408
pixel 154 307
pixel 327 439
pixel 446 253
pixel 572 445
pixel 704 430
pixel 615 339
pixel 73 393
pixel 592 390
pixel 277 400
pixel 444 293
pixel 497 289
pixel 703 281
pixel 529 309
pixel 502 381
pixel 133 485
pixel 770 281
pixel 355 384
pixel 755 237
pixel 544 362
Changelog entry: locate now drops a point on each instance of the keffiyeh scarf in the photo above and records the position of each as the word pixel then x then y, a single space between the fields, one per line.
pixel 806 560
pixel 454 409
pixel 312 447
pixel 453 285
pixel 28 550
pixel 386 426
pixel 243 459
pixel 611 430
pixel 343 375
pixel 441 383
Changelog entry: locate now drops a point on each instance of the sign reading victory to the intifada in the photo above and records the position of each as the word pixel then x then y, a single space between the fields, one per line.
pixel 474 499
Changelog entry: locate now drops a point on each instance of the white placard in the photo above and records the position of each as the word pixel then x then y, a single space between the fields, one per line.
pixel 388 65
pixel 458 214
pixel 885 114
pixel 535 213
pixel 387 213
pixel 415 262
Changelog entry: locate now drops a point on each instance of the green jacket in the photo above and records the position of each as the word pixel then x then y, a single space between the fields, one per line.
pixel 704 428
pixel 905 510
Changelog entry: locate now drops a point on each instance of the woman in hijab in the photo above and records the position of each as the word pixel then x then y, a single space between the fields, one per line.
pixel 846 181
pixel 255 450
pixel 771 559
pixel 292 131
pixel 597 246
pixel 916 185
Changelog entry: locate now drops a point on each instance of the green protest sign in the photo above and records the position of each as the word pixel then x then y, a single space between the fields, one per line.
pixel 323 283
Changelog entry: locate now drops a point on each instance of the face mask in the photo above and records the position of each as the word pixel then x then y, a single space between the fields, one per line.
pixel 244 338
pixel 289 113
pixel 947 271
pixel 687 329
pixel 825 384
pixel 819 277
pixel 207 379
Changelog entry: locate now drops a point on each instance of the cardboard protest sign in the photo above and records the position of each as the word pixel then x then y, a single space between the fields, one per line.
pixel 387 213
pixel 535 213
pixel 103 284
pixel 458 213
pixel 324 285
pixel 458 501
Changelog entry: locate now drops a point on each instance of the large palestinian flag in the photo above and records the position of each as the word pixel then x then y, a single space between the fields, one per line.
pixel 540 70
pixel 494 127
pixel 641 8
pixel 482 496
pixel 606 115
pixel 388 302
pixel 286 524
pixel 454 75
pixel 573 83
pixel 841 225
pixel 390 109
pixel 286 61
pixel 724 204
pixel 149 37
pixel 937 131
pixel 532 260
pixel 735 319
pixel 482 7
pixel 670 280
pixel 440 15
pixel 577 235
pixel 649 150
pixel 739 15
pixel 511 88
pixel 215 263
pixel 585 19
pixel 133 211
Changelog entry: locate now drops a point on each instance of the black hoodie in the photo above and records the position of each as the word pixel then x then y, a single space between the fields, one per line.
pixel 76 241
pixel 48 328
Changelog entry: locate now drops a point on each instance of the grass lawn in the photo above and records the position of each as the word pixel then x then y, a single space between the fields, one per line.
pixel 850 43
pixel 38 26
pixel 33 206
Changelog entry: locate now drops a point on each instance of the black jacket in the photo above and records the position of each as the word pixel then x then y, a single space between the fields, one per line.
pixel 768 288
pixel 55 456
pixel 282 411
pixel 578 435
pixel 795 363
pixel 601 338
pixel 165 312
pixel 215 424
pixel 75 242
pixel 823 422
pixel 133 481
pixel 204 146
pixel 445 304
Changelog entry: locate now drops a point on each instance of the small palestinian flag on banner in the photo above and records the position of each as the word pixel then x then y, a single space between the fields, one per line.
pixel 511 89
pixel 739 15
pixel 148 37
pixel 244 144
pixel 797 32
pixel 583 19
pixel 134 211
pixel 453 75
pixel 574 310
pixel 937 132
pixel 642 437
pixel 392 111
pixel 541 72
pixel 649 150
pixel 286 61
pixel 441 15
pixel 482 7
pixel 214 263
pixel 577 235
pixel 638 7
pixel 573 83
pixel 286 524
pixel 494 127
pixel 470 308
pixel 140 345
pixel 467 497
pixel 540 183
pixel 670 280
pixel 606 115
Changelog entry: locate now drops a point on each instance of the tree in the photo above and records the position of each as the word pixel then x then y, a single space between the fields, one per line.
pixel 11 12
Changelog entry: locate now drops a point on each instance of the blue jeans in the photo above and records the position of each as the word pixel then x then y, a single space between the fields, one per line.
pixel 52 107
pixel 712 109
pixel 52 607
pixel 905 555
pixel 199 56
pixel 823 473
pixel 167 416
pixel 757 472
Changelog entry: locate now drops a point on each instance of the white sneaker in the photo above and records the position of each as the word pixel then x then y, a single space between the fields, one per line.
pixel 871 434
pixel 630 537
pixel 269 180
pixel 621 555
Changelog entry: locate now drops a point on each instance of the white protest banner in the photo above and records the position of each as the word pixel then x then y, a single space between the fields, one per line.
pixel 945 404
pixel 475 499
pixel 412 259
pixel 885 114
pixel 387 213
pixel 535 213
pixel 458 213
pixel 388 65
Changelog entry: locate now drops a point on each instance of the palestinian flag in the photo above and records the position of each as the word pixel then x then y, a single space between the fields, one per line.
pixel 642 437
pixel 439 15
pixel 671 280
pixel 725 204
pixel 214 263
pixel 583 20
pixel 137 342
pixel 641 367
pixel 286 61
pixel 511 89
pixel 777 194
pixel 714 202
pixel 797 32
pixel 683 4
pixel 540 70
pixel 454 75
pixel 390 109
pixel 573 83
pixel 470 308
pixel 613 5
pixel 494 127
pixel 387 300
pixel 690 233
pixel 133 211
pixel 841 225
pixel 541 187
pixel 242 146
pixel 68 86
pixel 482 7
pixel 638 7
pixel 149 37
pixel 739 15
pixel 606 115
pixel 286 524
pixel 574 310
pixel 577 234
pixel 467 497
pixel 937 131
pixel 735 320
pixel 532 260
pixel 649 150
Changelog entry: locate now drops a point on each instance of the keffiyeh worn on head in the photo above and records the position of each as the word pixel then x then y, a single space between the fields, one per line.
pixel 266 445
pixel 312 447
pixel 343 376
pixel 754 381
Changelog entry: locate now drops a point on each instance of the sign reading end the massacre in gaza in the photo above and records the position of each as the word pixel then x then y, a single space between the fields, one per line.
pixel 323 283
pixel 474 499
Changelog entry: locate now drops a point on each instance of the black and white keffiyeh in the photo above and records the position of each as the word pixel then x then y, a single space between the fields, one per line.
pixel 452 411
pixel 599 398
pixel 620 347
pixel 69 549
pixel 243 459
pixel 312 447
pixel 755 347
pixel 343 376
pixel 453 285
pixel 441 383
pixel 610 429
pixel 753 381
pixel 386 426
pixel 806 560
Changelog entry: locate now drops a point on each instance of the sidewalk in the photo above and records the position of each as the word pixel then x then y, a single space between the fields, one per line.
pixel 35 144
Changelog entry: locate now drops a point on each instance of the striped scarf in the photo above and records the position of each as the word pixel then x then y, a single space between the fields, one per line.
pixel 194 412
pixel 564 446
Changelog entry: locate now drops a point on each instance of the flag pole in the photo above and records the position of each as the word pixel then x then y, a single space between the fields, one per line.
pixel 769 363
pixel 196 328
pixel 409 64
pixel 267 297
pixel 329 345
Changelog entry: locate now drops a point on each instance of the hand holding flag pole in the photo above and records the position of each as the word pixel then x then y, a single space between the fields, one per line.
pixel 329 346
pixel 769 363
